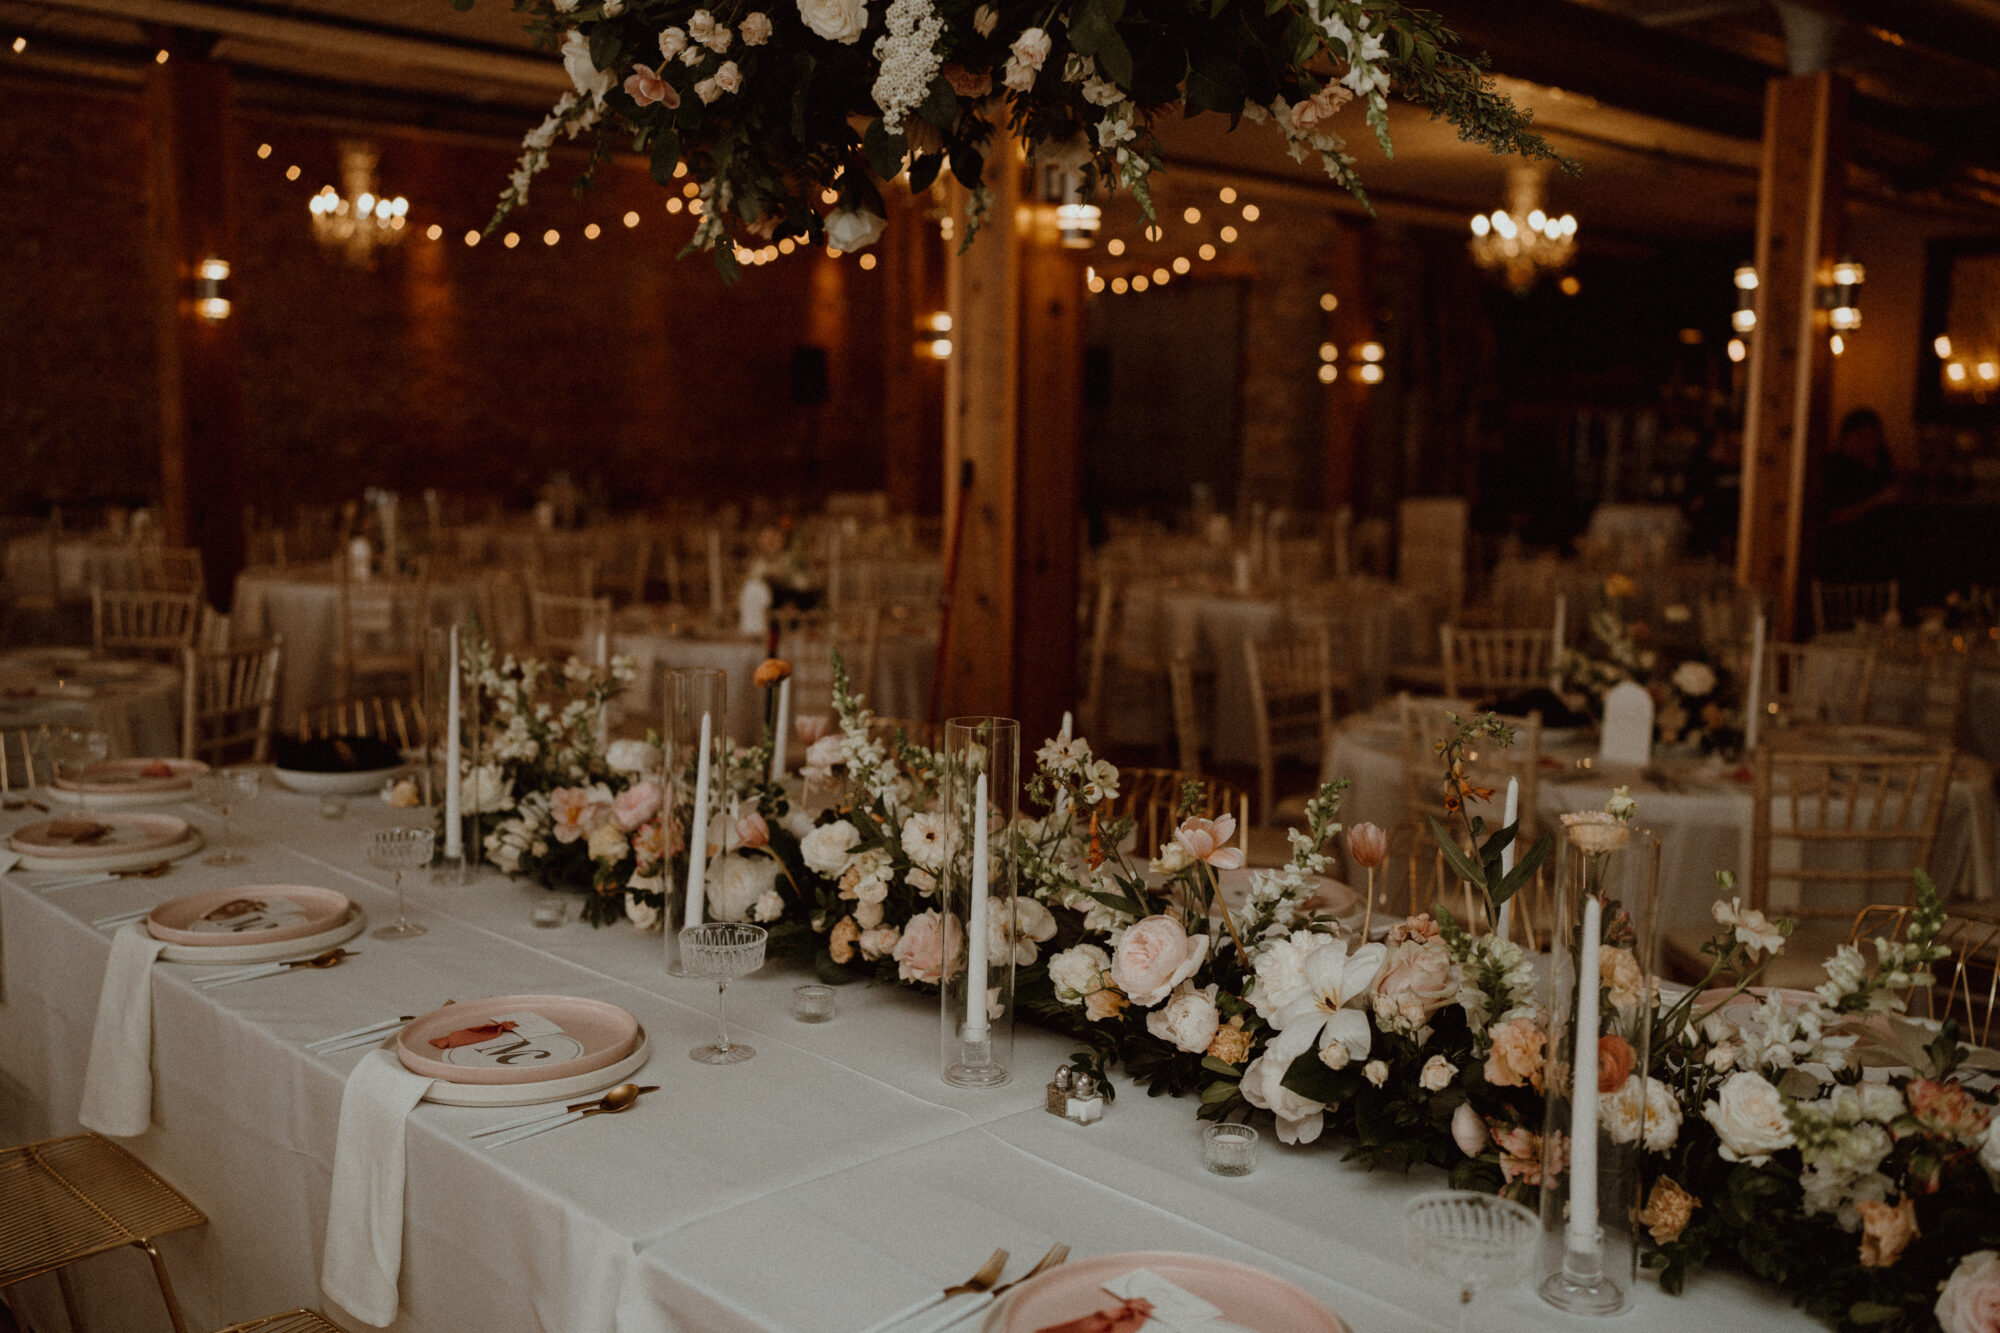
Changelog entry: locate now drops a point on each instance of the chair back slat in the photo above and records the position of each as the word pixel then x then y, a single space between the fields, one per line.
pixel 228 699
pixel 1821 823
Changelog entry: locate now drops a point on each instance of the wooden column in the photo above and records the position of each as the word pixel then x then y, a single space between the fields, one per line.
pixel 1014 411
pixel 912 381
pixel 1800 216
pixel 1344 427
pixel 194 219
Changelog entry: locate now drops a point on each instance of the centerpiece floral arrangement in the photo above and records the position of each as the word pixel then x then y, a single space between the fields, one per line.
pixel 791 116
pixel 1696 696
pixel 1821 1140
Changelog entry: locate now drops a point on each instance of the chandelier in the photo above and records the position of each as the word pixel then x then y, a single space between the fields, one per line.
pixel 359 220
pixel 1521 242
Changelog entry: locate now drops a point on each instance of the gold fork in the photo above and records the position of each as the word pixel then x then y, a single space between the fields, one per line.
pixel 1058 1254
pixel 979 1281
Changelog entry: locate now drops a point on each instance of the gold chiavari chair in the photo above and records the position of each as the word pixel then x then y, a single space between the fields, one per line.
pixel 228 700
pixel 1118 660
pixel 1185 686
pixel 381 632
pixel 143 624
pixel 385 717
pixel 1480 663
pixel 1158 808
pixel 291 1321
pixel 66 1200
pixel 169 569
pixel 1969 989
pixel 1808 683
pixel 1926 692
pixel 913 730
pixel 562 626
pixel 1291 704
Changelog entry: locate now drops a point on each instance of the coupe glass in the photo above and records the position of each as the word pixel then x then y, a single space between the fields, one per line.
pixel 397 850
pixel 224 790
pixel 1475 1241
pixel 70 750
pixel 724 950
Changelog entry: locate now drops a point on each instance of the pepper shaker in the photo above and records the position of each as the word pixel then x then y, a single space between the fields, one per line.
pixel 1058 1092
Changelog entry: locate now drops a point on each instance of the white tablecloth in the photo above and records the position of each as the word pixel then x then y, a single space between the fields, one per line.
pixel 81 563
pixel 304 606
pixel 1704 824
pixel 821 1185
pixel 141 713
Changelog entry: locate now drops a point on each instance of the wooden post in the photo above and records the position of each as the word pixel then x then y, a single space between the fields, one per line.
pixel 1800 217
pixel 912 380
pixel 1344 427
pixel 194 219
pixel 1014 410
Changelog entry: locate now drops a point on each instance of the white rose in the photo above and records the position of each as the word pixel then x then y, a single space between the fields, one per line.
pixel 1299 1118
pixel 672 42
pixel 1375 1072
pixel 591 81
pixel 756 29
pixel 607 842
pixel 1281 976
pixel 1028 52
pixel 835 20
pixel 827 849
pixel 632 757
pixel 1188 1020
pixel 1078 972
pixel 737 885
pixel 728 77
pixel 868 915
pixel 1749 1116
pixel 1694 679
pixel 851 229
pixel 1173 859
pixel 640 913
pixel 770 906
pixel 1100 92
pixel 823 753
pixel 1437 1074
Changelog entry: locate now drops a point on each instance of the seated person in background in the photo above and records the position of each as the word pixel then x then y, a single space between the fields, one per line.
pixel 1860 472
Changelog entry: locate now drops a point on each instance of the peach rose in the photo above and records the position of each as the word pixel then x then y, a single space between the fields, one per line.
pixel 1308 116
pixel 1102 1004
pixel 1521 1155
pixel 1516 1058
pixel 1231 1043
pixel 573 811
pixel 1614 1062
pixel 840 944
pixel 920 954
pixel 637 804
pixel 1667 1211
pixel 756 29
pixel 1155 956
pixel 1418 978
pixel 1886 1230
pixel 1419 928
pixel 879 942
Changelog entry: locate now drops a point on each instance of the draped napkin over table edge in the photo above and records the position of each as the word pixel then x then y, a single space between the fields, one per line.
pixel 118 1078
pixel 362 1264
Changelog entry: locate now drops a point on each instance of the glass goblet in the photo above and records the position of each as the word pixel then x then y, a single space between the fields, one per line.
pixel 222 790
pixel 398 850
pixel 71 750
pixel 1475 1241
pixel 724 950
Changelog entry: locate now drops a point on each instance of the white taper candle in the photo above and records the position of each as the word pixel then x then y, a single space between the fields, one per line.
pixel 975 926
pixel 782 730
pixel 698 832
pixel 1582 1234
pixel 454 811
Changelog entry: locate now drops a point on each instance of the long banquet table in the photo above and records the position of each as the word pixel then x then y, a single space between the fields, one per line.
pixel 828 1181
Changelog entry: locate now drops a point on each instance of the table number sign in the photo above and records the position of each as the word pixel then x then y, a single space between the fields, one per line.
pixel 517 1040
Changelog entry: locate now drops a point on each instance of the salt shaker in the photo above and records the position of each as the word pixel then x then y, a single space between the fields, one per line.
pixel 1086 1104
pixel 1058 1093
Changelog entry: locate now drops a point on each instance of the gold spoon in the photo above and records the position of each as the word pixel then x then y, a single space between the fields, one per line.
pixel 153 871
pixel 624 1094
pixel 331 958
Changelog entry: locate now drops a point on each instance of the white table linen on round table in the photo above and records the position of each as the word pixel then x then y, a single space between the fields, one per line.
pixel 141 714
pixel 1704 826
pixel 81 563
pixel 304 606
pixel 816 1188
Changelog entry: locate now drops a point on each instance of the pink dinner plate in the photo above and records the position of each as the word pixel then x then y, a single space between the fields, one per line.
pixel 554 1037
pixel 129 833
pixel 255 914
pixel 119 776
pixel 1245 1295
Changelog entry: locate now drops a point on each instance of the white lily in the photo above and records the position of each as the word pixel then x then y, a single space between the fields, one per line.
pixel 1323 1014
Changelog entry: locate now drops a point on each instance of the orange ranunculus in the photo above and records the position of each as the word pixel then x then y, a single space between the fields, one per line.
pixel 1614 1062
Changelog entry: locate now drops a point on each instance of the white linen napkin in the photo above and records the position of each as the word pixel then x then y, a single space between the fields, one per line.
pixel 8 859
pixel 118 1081
pixel 364 1216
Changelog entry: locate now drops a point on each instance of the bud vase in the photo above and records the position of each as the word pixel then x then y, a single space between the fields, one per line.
pixel 975 901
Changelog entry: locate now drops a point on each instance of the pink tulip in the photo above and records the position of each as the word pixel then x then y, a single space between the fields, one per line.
pixel 646 86
pixel 1368 845
pixel 751 830
pixel 1208 840
pixel 809 727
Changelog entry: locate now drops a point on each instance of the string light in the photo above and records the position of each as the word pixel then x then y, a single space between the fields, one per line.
pixel 691 190
pixel 1207 251
pixel 1139 284
pixel 631 220
pixel 1191 216
pixel 1228 235
pixel 674 205
pixel 263 150
pixel 471 238
pixel 591 232
pixel 1114 247
pixel 787 245
pixel 867 262
pixel 433 231
pixel 1329 302
pixel 511 239
pixel 1226 195
pixel 160 56
pixel 20 45
pixel 292 172
pixel 551 236
pixel 1160 276
pixel 1118 286
pixel 1250 212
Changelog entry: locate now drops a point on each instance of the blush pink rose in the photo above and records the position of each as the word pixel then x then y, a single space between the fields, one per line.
pixel 1417 979
pixel 637 804
pixel 572 811
pixel 1155 956
pixel 1970 1300
pixel 920 953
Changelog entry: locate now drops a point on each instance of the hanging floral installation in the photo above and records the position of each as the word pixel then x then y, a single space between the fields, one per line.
pixel 791 117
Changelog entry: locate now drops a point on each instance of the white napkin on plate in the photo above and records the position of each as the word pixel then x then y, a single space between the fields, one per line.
pixel 1174 1308
pixel 118 1081
pixel 364 1216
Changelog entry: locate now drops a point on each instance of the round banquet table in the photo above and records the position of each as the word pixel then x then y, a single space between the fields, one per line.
pixel 829 1181
pixel 81 563
pixel 1701 811
pixel 136 703
pixel 304 606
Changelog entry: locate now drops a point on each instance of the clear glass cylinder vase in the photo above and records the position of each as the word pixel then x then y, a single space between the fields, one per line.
pixel 696 745
pixel 1599 997
pixel 975 901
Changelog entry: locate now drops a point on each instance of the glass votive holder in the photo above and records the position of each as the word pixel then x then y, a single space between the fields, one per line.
pixel 1229 1149
pixel 550 910
pixel 812 1003
pixel 333 807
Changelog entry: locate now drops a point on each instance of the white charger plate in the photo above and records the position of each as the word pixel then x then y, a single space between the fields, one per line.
pixel 529 1094
pixel 94 800
pixel 136 859
pixel 274 951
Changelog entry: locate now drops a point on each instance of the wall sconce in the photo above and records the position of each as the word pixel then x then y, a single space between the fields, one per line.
pixel 1744 319
pixel 934 335
pixel 1839 293
pixel 1061 179
pixel 209 275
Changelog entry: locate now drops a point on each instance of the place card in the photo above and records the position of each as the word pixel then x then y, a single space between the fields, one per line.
pixel 1174 1308
pixel 528 1039
pixel 242 916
